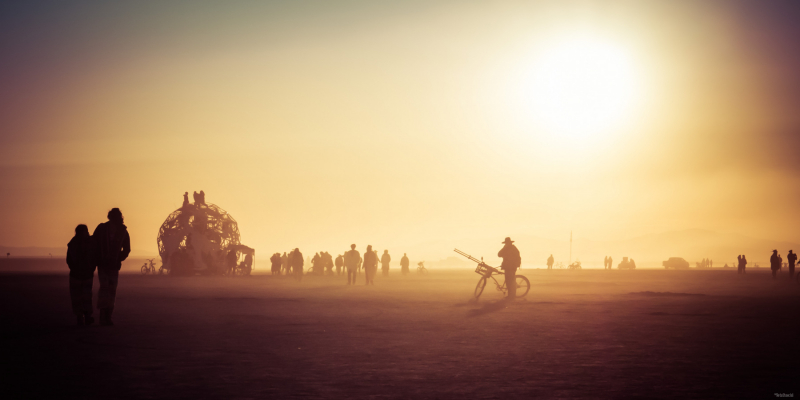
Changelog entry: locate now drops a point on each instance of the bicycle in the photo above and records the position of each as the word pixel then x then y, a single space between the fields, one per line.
pixel 488 272
pixel 421 268
pixel 149 268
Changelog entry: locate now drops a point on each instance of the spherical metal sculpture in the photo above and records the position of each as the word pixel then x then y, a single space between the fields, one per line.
pixel 201 238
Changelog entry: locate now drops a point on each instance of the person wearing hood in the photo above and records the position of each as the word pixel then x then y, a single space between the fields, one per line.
pixel 511 261
pixel 112 247
pixel 80 259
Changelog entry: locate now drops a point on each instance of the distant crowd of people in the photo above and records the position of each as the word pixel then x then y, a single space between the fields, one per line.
pixel 350 263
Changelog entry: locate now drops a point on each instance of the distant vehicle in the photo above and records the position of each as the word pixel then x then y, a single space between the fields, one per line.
pixel 575 265
pixel 675 262
pixel 626 264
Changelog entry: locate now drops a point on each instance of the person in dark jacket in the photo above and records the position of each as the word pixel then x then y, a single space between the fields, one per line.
pixel 80 259
pixel 511 261
pixel 112 247
pixel 792 258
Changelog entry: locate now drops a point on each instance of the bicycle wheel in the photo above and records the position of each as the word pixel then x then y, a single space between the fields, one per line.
pixel 145 270
pixel 523 286
pixel 479 287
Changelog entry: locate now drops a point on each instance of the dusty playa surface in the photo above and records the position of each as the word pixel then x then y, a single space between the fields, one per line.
pixel 578 334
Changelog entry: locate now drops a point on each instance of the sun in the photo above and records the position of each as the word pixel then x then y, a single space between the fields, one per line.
pixel 581 87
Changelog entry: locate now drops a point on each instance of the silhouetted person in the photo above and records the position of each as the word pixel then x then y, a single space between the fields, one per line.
pixel 775 263
pixel 744 264
pixel 610 262
pixel 550 261
pixel 511 261
pixel 285 263
pixel 792 258
pixel 370 265
pixel 275 260
pixel 297 264
pixel 196 197
pixel 328 263
pixel 404 264
pixel 80 259
pixel 316 264
pixel 739 264
pixel 185 199
pixel 112 247
pixel 247 264
pixel 202 197
pixel 339 264
pixel 385 259
pixel 352 259
pixel 230 261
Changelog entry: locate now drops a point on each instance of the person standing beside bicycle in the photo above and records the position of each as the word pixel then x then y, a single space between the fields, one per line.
pixel 511 261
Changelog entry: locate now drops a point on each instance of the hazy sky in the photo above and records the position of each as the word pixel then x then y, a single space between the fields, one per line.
pixel 318 124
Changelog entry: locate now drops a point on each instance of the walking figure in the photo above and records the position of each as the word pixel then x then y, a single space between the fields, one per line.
pixel 339 264
pixel 385 259
pixel 550 261
pixel 792 258
pixel 352 259
pixel 370 265
pixel 113 245
pixel 80 259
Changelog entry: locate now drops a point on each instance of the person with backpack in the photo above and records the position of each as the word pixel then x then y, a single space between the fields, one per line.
pixel 80 259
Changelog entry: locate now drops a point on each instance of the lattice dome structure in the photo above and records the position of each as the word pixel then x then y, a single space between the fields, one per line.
pixel 200 238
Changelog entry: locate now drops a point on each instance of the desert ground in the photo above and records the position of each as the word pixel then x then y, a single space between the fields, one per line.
pixel 577 334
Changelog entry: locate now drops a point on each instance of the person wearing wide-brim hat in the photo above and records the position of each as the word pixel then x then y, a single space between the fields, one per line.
pixel 511 261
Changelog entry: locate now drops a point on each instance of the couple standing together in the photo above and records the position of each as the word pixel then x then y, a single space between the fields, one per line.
pixel 105 250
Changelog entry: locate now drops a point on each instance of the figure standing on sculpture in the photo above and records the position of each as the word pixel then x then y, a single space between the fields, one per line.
pixel 370 265
pixel 297 264
pixel 385 259
pixel 550 261
pixel 112 247
pixel 511 261
pixel 404 264
pixel 775 263
pixel 185 199
pixel 80 259
pixel 202 197
pixel 352 259
pixel 792 258
pixel 339 264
